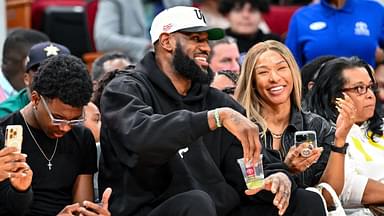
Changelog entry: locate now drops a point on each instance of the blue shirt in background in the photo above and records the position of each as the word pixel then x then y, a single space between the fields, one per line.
pixel 354 30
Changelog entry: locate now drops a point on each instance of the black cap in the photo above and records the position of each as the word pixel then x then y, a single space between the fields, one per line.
pixel 41 51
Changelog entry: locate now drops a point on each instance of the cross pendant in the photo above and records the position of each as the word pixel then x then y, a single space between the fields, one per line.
pixel 50 165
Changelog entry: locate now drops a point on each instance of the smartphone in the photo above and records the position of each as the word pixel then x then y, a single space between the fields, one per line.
pixel 14 136
pixel 307 138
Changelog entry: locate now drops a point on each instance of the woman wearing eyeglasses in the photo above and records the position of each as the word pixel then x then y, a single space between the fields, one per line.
pixel 364 160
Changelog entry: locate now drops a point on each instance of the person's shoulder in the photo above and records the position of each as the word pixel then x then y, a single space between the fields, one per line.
pixel 13 118
pixel 375 8
pixel 271 36
pixel 370 4
pixel 129 74
pixel 82 135
pixel 218 98
pixel 313 119
pixel 306 10
pixel 310 115
pixel 81 131
pixel 14 103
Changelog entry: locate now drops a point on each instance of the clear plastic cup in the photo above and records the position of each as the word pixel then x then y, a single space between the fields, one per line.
pixel 253 175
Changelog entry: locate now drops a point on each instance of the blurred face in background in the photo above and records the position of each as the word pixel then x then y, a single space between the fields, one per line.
pixel 244 20
pixel 114 64
pixel 225 57
pixel 379 76
pixel 93 120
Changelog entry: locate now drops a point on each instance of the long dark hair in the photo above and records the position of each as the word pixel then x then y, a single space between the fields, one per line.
pixel 328 87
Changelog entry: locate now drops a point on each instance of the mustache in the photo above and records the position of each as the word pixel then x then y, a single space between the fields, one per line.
pixel 202 52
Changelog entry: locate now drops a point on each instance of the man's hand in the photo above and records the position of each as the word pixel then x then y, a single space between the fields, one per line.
pixel 22 179
pixel 280 185
pixel 70 210
pixel 245 130
pixel 14 167
pixel 91 209
pixel 297 163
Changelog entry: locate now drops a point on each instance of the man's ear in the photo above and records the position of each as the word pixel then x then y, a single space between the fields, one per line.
pixel 167 42
pixel 27 79
pixel 35 98
pixel 310 85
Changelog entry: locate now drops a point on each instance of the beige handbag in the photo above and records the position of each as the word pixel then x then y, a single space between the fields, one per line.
pixel 339 211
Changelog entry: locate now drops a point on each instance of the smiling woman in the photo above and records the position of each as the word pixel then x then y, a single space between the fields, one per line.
pixel 269 88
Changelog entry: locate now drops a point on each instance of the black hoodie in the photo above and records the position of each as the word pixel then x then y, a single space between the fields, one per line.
pixel 156 143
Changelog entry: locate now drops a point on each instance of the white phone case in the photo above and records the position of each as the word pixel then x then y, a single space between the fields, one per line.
pixel 14 136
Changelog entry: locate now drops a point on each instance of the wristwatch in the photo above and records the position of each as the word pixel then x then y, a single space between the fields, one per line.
pixel 341 150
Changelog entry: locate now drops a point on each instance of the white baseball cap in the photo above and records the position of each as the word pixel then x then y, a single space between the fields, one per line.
pixel 182 18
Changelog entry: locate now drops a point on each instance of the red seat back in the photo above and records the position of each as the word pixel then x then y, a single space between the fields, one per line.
pixel 91 10
pixel 278 18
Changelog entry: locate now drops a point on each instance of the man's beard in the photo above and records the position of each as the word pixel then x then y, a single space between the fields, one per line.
pixel 188 68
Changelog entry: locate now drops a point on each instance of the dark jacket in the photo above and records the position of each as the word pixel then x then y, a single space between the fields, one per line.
pixel 13 202
pixel 156 143
pixel 301 121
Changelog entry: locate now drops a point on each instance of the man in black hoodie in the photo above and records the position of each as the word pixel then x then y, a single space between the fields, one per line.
pixel 170 142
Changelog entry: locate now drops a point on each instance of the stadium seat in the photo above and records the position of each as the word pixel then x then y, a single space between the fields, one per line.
pixel 278 18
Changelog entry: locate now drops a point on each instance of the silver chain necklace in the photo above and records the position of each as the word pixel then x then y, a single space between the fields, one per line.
pixel 41 150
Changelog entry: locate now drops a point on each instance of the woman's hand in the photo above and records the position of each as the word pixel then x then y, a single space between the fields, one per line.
pixel 278 184
pixel 297 163
pixel 346 117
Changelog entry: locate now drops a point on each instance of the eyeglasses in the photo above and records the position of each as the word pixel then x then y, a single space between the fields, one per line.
pixel 362 89
pixel 62 122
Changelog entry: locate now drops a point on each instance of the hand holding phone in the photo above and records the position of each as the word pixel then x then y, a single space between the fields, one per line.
pixel 307 138
pixel 14 136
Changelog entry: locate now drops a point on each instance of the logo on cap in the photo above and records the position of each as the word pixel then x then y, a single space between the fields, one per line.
pixel 200 15
pixel 51 50
pixel 167 27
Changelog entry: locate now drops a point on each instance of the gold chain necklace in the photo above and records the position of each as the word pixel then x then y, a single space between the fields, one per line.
pixel 276 136
pixel 41 150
